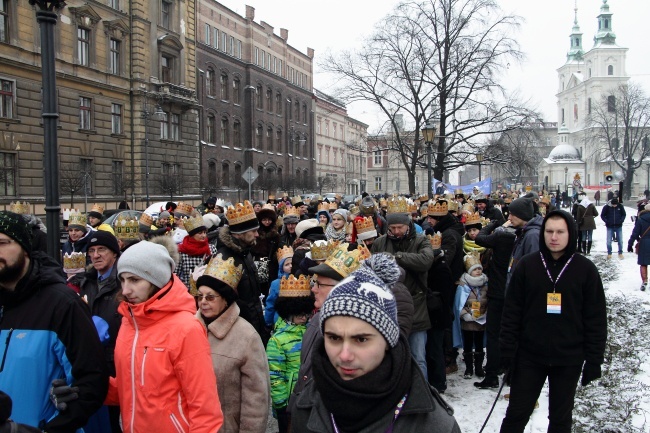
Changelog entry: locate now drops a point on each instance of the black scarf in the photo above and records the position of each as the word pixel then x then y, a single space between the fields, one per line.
pixel 359 402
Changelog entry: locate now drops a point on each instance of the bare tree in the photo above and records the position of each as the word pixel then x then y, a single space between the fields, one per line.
pixel 123 183
pixel 620 122
pixel 71 181
pixel 442 57
pixel 514 153
pixel 326 183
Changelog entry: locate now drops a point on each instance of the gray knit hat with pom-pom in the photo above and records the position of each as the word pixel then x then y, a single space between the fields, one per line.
pixel 365 295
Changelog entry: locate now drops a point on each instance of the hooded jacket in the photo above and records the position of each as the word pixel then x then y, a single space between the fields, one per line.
pixel 575 335
pixel 501 240
pixel 492 213
pixel 613 216
pixel 270 316
pixel 165 381
pixel 640 234
pixel 81 246
pixel 586 214
pixel 526 242
pixel 452 243
pixel 46 333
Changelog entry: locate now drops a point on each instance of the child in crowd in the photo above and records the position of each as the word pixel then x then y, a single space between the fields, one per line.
pixel 284 256
pixel 470 306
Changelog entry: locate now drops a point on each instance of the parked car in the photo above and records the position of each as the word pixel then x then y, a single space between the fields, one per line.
pixel 349 199
pixel 330 196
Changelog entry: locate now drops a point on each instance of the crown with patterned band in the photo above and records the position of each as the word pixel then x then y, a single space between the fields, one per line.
pixel 364 225
pixel 292 211
pixel 472 259
pixel 183 209
pixel 224 270
pixel 413 208
pixel 240 213
pixel 65 213
pixel 333 206
pixel 146 219
pixel 473 218
pixel 74 263
pixel 324 206
pixel 321 250
pixel 284 252
pixel 344 262
pixel 485 221
pixel 452 205
pixel 295 200
pixel 193 223
pixel 76 218
pixel 364 252
pixel 97 208
pixel 468 208
pixel 293 287
pixel 435 240
pixel 126 228
pixel 21 208
pixel 438 208
pixel 397 205
pixel 269 206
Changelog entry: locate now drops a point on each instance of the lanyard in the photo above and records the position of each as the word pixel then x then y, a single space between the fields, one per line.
pixel 398 409
pixel 561 272
pixel 476 293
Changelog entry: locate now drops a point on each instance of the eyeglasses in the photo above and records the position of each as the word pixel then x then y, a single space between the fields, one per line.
pixel 208 298
pixel 315 283
pixel 98 250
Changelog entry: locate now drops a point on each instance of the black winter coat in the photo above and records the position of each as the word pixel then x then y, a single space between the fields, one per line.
pixel 452 243
pixel 443 285
pixel 579 332
pixel 501 241
pixel 492 213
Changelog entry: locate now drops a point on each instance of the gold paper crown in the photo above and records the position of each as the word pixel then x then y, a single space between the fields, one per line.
pixel 424 198
pixel 546 199
pixel 269 206
pixel 364 252
pixel 364 224
pixel 397 205
pixel 333 206
pixel 146 219
pixel 459 191
pixel 193 223
pixel 295 200
pixel 22 208
pixel 435 240
pixel 74 261
pixel 452 205
pixel 271 197
pixel 438 208
pixel 324 206
pixel 77 218
pixel 126 228
pixel 284 252
pixel 292 211
pixel 472 259
pixel 293 287
pixel 97 208
pixel 485 221
pixel 240 213
pixel 224 270
pixel 468 208
pixel 321 250
pixel 473 218
pixel 354 210
pixel 413 208
pixel 184 209
pixel 344 262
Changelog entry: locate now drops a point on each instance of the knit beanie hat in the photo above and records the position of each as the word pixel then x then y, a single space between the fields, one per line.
pixel 149 261
pixel 398 218
pixel 342 212
pixel 522 208
pixel 163 214
pixel 105 239
pixel 211 220
pixel 365 295
pixel 14 226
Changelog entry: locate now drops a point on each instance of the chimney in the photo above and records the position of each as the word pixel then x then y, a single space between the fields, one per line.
pixel 284 34
pixel 250 13
pixel 310 53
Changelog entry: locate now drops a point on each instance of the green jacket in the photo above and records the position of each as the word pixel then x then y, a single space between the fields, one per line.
pixel 283 352
pixel 415 255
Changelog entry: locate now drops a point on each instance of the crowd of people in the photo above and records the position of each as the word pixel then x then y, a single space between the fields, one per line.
pixel 339 320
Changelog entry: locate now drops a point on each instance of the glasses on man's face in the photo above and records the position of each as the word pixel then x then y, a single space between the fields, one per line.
pixel 98 250
pixel 315 283
pixel 208 298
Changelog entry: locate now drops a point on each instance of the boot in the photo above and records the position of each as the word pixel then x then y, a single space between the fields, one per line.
pixel 490 381
pixel 478 363
pixel 588 247
pixel 644 277
pixel 469 365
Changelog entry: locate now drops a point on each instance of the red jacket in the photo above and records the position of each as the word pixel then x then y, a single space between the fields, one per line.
pixel 165 381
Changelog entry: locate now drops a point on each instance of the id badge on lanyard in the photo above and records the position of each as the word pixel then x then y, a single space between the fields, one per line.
pixel 554 300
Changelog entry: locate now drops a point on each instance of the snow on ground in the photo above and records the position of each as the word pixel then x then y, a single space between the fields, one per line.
pixel 622 277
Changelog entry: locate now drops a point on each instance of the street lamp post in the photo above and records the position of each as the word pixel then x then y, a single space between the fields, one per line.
pixel 479 159
pixel 429 133
pixel 146 115
pixel 47 17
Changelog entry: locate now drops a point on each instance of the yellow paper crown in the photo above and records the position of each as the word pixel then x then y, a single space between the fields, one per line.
pixel 413 208
pixel 397 205
pixel 344 262
pixel 240 213
pixel 284 252
pixel 74 261
pixel 435 240
pixel 485 221
pixel 269 206
pixel 324 206
pixel 438 208
pixel 473 218
pixel 468 208
pixel 452 205
pixel 364 224
pixel 321 250
pixel 333 206
pixel 459 191
pixel 97 208
pixel 22 208
pixel 194 222
pixel 293 287
pixel 126 228
pixel 292 211
pixel 364 252
pixel 295 200
pixel 472 259
pixel 146 219
pixel 224 271
pixel 183 209
pixel 77 218
pixel 546 199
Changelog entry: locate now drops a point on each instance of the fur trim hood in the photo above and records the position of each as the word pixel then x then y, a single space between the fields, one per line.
pixel 170 245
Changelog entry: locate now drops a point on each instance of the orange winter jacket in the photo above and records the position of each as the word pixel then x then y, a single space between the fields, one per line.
pixel 164 380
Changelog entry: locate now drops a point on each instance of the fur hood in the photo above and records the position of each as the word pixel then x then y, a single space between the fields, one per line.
pixel 226 239
pixel 170 245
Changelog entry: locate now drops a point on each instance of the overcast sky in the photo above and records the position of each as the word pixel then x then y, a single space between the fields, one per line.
pixel 341 24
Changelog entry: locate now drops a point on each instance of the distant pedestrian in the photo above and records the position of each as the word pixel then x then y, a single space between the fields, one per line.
pixel 586 214
pixel 613 214
pixel 597 198
pixel 640 235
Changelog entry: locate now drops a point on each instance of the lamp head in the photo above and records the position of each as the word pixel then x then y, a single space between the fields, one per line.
pixel 48 5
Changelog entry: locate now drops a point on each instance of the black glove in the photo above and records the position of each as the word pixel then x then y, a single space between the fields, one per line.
pixel 61 394
pixel 590 372
pixel 629 248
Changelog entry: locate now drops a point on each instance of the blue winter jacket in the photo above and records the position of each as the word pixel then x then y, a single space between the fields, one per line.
pixel 613 216
pixel 270 316
pixel 526 242
pixel 641 227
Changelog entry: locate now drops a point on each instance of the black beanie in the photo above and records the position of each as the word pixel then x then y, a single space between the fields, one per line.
pixel 14 226
pixel 522 208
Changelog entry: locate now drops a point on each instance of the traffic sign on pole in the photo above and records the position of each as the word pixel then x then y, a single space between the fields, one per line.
pixel 249 176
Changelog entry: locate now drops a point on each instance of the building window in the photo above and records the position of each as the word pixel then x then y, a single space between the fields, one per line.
pixel 259 97
pixel 378 157
pixel 239 49
pixel 334 130
pixel 224 131
pixel 209 82
pixel 263 59
pixel 236 133
pixel 610 70
pixel 268 61
pixel 165 13
pixel 280 68
pixel 269 100
pixel 170 126
pixel 297 111
pixel 318 126
pixel 224 41
pixel 231 46
pixel 119 184
pixel 269 139
pixel 115 4
pixel 278 140
pixel 83 46
pixel 4 20
pixel 611 103
pixel 212 173
pixel 304 114
pixel 116 118
pixel 290 108
pixel 87 173
pixel 278 103
pixel 208 32
pixel 6 99
pixel 224 86
pixel 225 174
pixel 114 60
pixel 236 84
pixel 166 69
pixel 7 174
pixel 378 183
pixel 258 137
pixel 210 129
pixel 174 133
pixel 85 113
pixel 588 105
pixel 327 129
pixel 257 56
pixel 164 127
pixel 215 43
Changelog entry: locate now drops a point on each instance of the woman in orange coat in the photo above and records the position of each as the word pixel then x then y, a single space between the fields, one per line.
pixel 164 378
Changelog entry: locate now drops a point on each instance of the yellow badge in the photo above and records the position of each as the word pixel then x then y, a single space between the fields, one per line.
pixel 476 309
pixel 554 303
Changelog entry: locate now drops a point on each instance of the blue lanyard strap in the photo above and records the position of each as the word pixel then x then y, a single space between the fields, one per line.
pixel 561 272
pixel 398 409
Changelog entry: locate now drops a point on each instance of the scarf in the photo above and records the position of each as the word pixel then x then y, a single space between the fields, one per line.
pixel 192 247
pixel 332 235
pixel 470 246
pixel 473 281
pixel 359 402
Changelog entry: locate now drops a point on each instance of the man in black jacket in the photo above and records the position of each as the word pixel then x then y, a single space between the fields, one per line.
pixel 554 326
pixel 500 238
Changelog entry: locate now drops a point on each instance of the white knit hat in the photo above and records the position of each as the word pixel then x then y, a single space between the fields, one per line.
pixel 148 261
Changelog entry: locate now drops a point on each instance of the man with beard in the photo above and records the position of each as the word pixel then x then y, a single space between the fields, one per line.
pixel 289 222
pixel 486 208
pixel 236 241
pixel 48 336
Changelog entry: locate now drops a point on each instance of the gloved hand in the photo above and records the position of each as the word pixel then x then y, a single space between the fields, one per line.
pixel 467 317
pixel 590 372
pixel 629 248
pixel 61 394
pixel 506 363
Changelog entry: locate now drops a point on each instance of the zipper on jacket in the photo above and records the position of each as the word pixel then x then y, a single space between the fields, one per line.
pixel 144 357
pixel 4 356
pixel 176 423
pixel 135 341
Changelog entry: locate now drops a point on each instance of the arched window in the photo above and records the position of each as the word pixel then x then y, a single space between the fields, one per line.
pixel 224 86
pixel 297 111
pixel 224 131
pixel 225 174
pixel 236 133
pixel 611 103
pixel 209 82
pixel 210 129
pixel 269 139
pixel 610 70
pixel 236 84
pixel 269 100
pixel 258 137
pixel 278 140
pixel 212 173
pixel 290 108
pixel 304 113
pixel 260 97
pixel 278 103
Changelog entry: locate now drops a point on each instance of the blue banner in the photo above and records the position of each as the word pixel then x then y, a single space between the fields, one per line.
pixel 485 186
